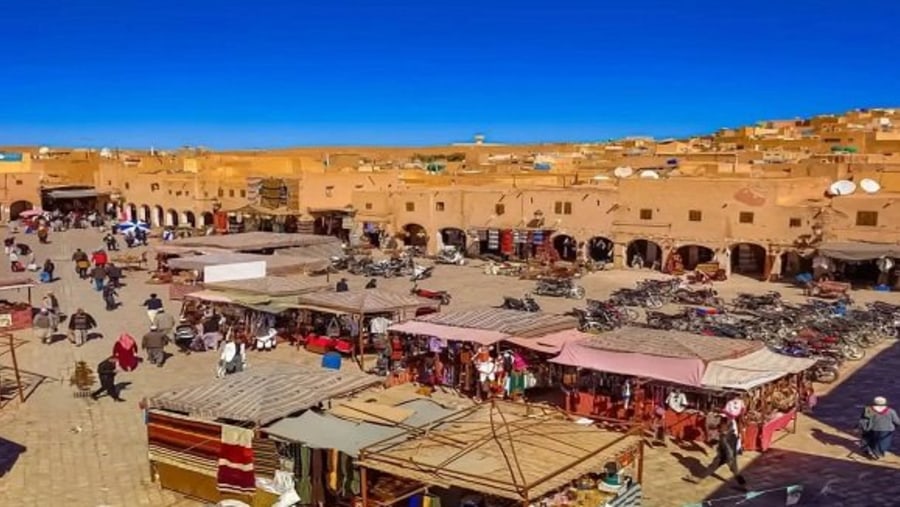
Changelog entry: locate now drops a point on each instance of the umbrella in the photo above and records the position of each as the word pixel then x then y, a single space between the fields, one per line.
pixel 31 213
pixel 132 227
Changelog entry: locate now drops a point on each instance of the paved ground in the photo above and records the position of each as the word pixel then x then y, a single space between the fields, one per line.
pixel 58 450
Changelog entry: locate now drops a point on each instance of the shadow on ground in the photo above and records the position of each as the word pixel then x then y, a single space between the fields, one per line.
pixel 9 454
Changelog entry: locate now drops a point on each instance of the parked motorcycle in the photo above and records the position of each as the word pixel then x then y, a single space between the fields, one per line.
pixel 438 295
pixel 450 255
pixel 526 304
pixel 555 287
pixel 421 273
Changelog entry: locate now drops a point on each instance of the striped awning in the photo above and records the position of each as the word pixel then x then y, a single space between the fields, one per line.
pixel 363 301
pixel 510 322
pixel 450 333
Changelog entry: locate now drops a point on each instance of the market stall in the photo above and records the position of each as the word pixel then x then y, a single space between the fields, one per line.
pixel 16 314
pixel 350 321
pixel 681 382
pixel 510 454
pixel 460 349
pixel 205 440
pixel 268 242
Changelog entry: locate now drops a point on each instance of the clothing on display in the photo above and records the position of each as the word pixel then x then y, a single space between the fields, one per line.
pixel 677 401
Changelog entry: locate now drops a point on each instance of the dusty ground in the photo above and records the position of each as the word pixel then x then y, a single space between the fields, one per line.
pixel 58 450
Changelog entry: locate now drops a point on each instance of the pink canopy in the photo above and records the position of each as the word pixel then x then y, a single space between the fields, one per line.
pixel 685 371
pixel 551 343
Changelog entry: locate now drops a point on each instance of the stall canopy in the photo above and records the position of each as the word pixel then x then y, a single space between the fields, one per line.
pixel 504 449
pixel 258 302
pixel 264 394
pixel 254 241
pixel 858 251
pixel 275 264
pixel 323 250
pixel 552 343
pixel 754 369
pixel 74 193
pixel 669 356
pixel 327 431
pixel 273 285
pixel 14 283
pixel 502 323
pixel 256 209
pixel 451 333
pixel 362 302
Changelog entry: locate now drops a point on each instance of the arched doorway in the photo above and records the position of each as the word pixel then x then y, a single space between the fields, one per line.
pixel 19 207
pixel 415 235
pixel 748 259
pixel 131 212
pixel 157 216
pixel 190 219
pixel 451 236
pixel 209 219
pixel 600 249
pixel 692 255
pixel 144 214
pixel 171 218
pixel 642 253
pixel 566 247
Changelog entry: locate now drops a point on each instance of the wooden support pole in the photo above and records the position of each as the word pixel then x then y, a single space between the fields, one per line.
pixel 365 486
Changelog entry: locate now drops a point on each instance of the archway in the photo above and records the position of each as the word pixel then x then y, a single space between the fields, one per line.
pixel 144 214
pixel 642 253
pixel 692 255
pixel 157 216
pixel 19 207
pixel 190 219
pixel 600 249
pixel 749 259
pixel 209 219
pixel 451 236
pixel 131 212
pixel 171 218
pixel 415 235
pixel 566 247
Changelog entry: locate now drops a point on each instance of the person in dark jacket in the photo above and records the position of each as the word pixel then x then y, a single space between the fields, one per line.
pixel 82 263
pixel 114 273
pixel 80 324
pixel 106 370
pixel 154 343
pixel 726 452
pixel 878 423
pixel 109 297
pixel 342 286
pixel 49 268
pixel 98 275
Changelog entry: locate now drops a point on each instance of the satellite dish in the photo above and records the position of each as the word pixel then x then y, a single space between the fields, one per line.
pixel 842 187
pixel 106 153
pixel 43 150
pixel 623 171
pixel 649 174
pixel 600 177
pixel 869 186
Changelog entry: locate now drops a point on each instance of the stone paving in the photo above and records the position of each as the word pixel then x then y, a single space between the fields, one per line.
pixel 59 450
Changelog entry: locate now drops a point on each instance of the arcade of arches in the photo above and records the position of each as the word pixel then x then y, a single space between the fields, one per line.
pixel 691 257
pixel 749 259
pixel 19 207
pixel 566 247
pixel 642 253
pixel 415 235
pixel 451 236
pixel 600 249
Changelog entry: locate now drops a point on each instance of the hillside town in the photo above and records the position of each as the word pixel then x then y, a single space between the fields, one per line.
pixel 706 321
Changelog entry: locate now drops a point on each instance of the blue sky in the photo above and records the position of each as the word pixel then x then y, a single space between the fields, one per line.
pixel 243 74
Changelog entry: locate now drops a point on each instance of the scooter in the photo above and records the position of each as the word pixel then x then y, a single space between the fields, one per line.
pixel 526 304
pixel 450 255
pixel 421 273
pixel 439 295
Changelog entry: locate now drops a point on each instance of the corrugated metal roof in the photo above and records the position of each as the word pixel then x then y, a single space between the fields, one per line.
pixel 250 241
pixel 674 344
pixel 273 285
pixel 363 301
pixel 511 322
pixel 262 395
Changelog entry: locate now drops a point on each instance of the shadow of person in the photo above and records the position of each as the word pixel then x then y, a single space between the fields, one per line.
pixel 94 336
pixel 9 454
pixel 693 465
pixel 851 444
pixel 122 386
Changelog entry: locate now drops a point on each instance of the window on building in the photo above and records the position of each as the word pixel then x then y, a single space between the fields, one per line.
pixel 127 185
pixel 695 215
pixel 646 214
pixel 567 208
pixel 187 193
pixel 439 206
pixel 329 191
pixel 19 182
pixel 231 192
pixel 368 205
pixel 867 218
pixel 499 209
pixel 795 222
pixel 745 217
pixel 410 206
pixel 557 207
pixel 562 208
pixel 221 193
pixel 108 183
pixel 243 193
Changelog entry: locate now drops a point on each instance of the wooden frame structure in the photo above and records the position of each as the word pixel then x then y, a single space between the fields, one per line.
pixel 10 341
pixel 515 451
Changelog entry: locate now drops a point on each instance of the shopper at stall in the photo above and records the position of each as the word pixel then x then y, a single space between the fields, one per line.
pixel 878 423
pixel 185 334
pixel 126 352
pixel 726 452
pixel 212 332
pixel 154 342
pixel 342 286
pixel 80 324
pixel 153 305
pixel 106 370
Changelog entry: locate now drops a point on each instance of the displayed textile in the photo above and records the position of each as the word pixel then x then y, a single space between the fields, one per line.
pixel 493 239
pixel 183 442
pixel 184 461
pixel 379 325
pixel 318 469
pixel 265 457
pixel 333 464
pixel 235 474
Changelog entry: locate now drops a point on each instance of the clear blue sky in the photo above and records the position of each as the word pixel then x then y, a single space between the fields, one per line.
pixel 261 73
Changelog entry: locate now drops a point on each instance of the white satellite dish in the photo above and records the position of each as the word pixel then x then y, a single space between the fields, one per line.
pixel 842 187
pixel 869 186
pixel 600 177
pixel 43 150
pixel 623 171
pixel 649 174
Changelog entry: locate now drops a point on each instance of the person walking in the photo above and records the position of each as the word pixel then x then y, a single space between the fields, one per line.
pixel 726 452
pixel 99 258
pixel 98 275
pixel 80 325
pixel 115 274
pixel 153 305
pixel 51 304
pixel 878 423
pixel 109 297
pixel 43 326
pixel 126 352
pixel 165 322
pixel 112 244
pixel 106 370
pixel 82 263
pixel 154 342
